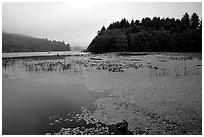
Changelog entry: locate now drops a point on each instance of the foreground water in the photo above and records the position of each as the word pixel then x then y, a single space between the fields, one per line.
pixel 29 107
pixel 45 102
pixel 154 93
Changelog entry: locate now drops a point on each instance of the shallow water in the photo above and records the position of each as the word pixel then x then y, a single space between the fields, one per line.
pixel 49 93
pixel 23 54
pixel 28 105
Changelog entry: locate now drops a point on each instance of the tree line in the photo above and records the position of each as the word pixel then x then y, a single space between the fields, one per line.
pixel 150 35
pixel 22 43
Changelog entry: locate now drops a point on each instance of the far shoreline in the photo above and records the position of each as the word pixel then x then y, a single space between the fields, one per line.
pixel 64 54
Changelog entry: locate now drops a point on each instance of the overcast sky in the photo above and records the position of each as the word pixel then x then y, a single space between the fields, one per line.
pixel 77 23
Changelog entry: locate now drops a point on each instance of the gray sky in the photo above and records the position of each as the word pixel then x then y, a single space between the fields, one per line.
pixel 77 23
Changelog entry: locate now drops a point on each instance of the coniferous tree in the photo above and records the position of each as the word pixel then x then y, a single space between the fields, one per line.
pixel 103 29
pixel 194 21
pixel 137 22
pixel 185 21
pixel 200 26
pixel 23 43
pixel 132 23
pixel 156 35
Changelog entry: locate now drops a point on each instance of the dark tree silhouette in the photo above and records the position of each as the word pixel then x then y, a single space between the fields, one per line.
pixel 185 21
pixel 164 35
pixel 132 22
pixel 137 22
pixel 124 23
pixel 200 27
pixel 147 22
pixel 194 21
pixel 103 29
pixel 22 43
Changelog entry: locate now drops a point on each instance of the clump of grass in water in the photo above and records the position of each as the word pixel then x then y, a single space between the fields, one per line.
pixel 185 70
pixel 153 69
pixel 198 68
pixel 177 71
pixel 98 130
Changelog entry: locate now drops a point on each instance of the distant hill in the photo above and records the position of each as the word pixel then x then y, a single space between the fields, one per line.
pixel 150 35
pixel 23 43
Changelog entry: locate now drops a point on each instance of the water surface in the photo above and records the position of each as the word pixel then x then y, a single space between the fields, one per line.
pixel 28 106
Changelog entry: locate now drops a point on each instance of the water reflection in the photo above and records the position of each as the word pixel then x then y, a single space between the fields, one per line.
pixel 27 105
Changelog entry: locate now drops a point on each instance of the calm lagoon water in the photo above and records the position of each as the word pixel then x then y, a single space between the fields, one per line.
pixel 30 106
pixel 33 107
pixel 23 54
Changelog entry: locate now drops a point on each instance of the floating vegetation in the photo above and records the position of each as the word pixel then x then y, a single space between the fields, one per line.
pixel 51 124
pixel 139 103
pixel 133 59
pixel 87 125
pixel 73 64
pixel 161 60
pixel 90 128
pixel 141 122
pixel 99 130
pixel 132 54
pixel 96 59
pixel 180 57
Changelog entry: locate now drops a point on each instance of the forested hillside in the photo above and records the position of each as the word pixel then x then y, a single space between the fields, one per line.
pixel 150 35
pixel 22 43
